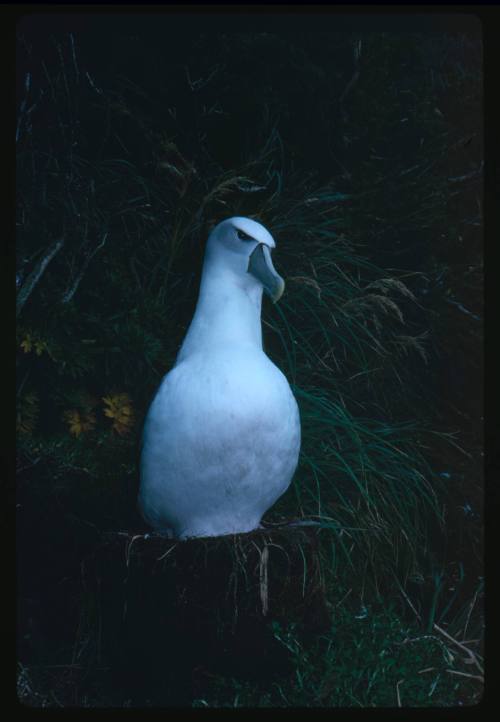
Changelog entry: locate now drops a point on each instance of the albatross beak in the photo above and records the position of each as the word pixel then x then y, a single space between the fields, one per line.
pixel 261 267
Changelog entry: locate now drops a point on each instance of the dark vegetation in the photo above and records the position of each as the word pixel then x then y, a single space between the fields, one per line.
pixel 362 153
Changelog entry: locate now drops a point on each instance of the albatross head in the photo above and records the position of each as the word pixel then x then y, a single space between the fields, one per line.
pixel 243 247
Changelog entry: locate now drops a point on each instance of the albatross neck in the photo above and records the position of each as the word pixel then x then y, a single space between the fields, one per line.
pixel 227 314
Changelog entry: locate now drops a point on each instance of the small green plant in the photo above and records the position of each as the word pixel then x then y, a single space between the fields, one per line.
pixel 371 657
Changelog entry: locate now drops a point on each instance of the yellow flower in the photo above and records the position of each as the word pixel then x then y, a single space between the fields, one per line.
pixel 27 343
pixel 30 343
pixel 119 408
pixel 40 347
pixel 79 422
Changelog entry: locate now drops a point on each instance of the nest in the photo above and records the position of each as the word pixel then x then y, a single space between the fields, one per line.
pixel 167 612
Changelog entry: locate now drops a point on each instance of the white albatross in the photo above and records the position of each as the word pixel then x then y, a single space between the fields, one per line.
pixel 221 438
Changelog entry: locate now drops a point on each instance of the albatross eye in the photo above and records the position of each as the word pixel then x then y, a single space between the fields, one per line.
pixel 243 236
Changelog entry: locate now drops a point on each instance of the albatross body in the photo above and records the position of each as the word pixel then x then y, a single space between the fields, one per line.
pixel 222 436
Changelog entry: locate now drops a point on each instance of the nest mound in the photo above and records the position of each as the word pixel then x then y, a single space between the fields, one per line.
pixel 167 612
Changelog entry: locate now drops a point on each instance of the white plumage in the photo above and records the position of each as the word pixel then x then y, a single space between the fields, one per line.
pixel 222 436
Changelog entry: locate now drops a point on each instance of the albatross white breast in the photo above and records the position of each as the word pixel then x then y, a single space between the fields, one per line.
pixel 222 436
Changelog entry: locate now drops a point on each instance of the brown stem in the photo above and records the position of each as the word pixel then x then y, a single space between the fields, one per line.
pixel 68 295
pixel 36 274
